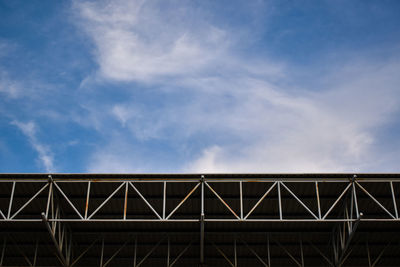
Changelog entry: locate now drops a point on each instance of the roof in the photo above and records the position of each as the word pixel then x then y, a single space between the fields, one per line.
pixel 293 218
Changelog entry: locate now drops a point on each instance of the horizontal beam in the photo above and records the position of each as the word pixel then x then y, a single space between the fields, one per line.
pixel 205 220
pixel 82 197
pixel 84 177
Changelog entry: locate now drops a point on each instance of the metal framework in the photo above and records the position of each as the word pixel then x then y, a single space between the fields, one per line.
pixel 199 220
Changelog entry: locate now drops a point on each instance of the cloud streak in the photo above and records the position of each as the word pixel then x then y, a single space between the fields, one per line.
pixel 45 156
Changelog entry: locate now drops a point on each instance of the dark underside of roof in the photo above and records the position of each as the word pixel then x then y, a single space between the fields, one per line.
pixel 285 224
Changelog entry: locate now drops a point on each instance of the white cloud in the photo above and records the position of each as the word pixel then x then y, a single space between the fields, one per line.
pixel 249 120
pixel 45 156
pixel 333 130
pixel 10 88
pixel 136 41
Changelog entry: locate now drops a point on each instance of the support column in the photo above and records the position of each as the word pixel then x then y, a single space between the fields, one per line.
pixel 202 222
pixel 344 232
pixel 58 246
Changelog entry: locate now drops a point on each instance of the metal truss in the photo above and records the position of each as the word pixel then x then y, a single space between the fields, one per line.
pixel 354 202
pixel 52 188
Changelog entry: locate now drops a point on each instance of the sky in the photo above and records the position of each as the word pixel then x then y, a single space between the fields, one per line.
pixel 206 86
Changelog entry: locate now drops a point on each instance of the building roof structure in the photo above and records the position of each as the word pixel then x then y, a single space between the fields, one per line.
pixel 137 220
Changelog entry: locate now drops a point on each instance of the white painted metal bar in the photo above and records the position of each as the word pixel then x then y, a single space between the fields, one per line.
pixel 29 201
pixel 49 198
pixel 87 199
pixel 355 201
pixel 210 220
pixel 11 200
pixel 318 200
pixel 183 200
pixel 336 201
pixel 241 199
pixel 280 200
pixel 223 202
pixel 194 178
pixel 202 215
pixel 394 200
pixel 2 215
pixel 301 202
pixel 202 200
pixel 126 200
pixel 350 225
pixel 260 200
pixel 164 199
pixel 375 200
pixel 105 201
pixel 69 201
pixel 147 203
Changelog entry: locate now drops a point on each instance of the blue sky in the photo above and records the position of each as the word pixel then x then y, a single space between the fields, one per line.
pixel 199 86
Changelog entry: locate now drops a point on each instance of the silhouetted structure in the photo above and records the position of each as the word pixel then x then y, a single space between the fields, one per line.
pixel 199 220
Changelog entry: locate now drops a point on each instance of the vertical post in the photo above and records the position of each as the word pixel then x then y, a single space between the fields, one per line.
pixel 57 244
pixel 351 206
pixel 87 199
pixel 11 201
pixel 202 222
pixel 53 215
pixel 355 197
pixel 126 199
pixel 279 199
pixel 164 199
pixel 241 199
pixel 318 202
pixel 49 198
pixel 394 200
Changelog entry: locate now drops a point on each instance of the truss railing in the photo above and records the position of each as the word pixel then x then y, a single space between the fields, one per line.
pixel 204 187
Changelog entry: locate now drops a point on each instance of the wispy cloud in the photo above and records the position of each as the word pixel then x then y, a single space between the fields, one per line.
pixel 10 88
pixel 45 156
pixel 248 114
pixel 139 41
